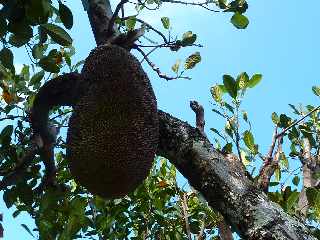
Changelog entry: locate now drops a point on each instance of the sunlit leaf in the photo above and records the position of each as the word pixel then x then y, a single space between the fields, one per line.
pixel 239 21
pixel 165 22
pixel 255 79
pixel 130 23
pixel 192 60
pixel 249 140
pixel 176 66
pixel 58 34
pixel 316 90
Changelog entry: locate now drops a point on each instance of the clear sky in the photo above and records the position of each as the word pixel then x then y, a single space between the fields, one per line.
pixel 281 42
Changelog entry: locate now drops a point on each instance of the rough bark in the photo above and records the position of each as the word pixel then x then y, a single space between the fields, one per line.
pixel 222 181
pixel 220 178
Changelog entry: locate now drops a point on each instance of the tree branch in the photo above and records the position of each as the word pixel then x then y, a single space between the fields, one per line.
pixel 157 70
pixel 223 183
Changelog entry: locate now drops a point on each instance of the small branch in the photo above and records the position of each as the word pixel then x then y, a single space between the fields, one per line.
pixel 201 235
pixel 225 231
pixel 147 55
pixel 110 30
pixel 199 111
pixel 144 5
pixel 199 4
pixel 150 27
pixel 184 203
pixel 273 143
pixel 60 115
pixel 10 117
pixel 269 167
pixel 157 70
pixel 296 122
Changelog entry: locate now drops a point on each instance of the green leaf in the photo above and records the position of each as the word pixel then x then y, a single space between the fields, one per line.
pixel 292 201
pixel 27 229
pixel 38 11
pixel 25 72
pixel 218 112
pixel 284 121
pixel 216 93
pixel 6 132
pixel 9 197
pixel 188 39
pixel 277 174
pixel 249 140
pixel 216 132
pixel 245 116
pixel 242 80
pixel 58 34
pixel 273 184
pixel 38 50
pixel 192 60
pixel 36 78
pixel 316 175
pixel 255 79
pixel 175 67
pixel 275 119
pixel 313 195
pixel 230 85
pixel 227 148
pixel 284 161
pixel 239 21
pixel 3 26
pixel 222 88
pixel 49 64
pixel 165 22
pixel 130 23
pixel 229 107
pixel 316 90
pixel 296 180
pixel 245 160
pixel 6 57
pixel 65 15
pixel 43 37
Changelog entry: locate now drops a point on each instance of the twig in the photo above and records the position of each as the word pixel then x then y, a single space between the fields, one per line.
pixel 273 143
pixel 185 215
pixel 269 167
pixel 201 234
pixel 157 70
pixel 199 111
pixel 10 117
pixel 94 216
pixel 225 231
pixel 150 27
pixel 297 122
pixel 151 9
pixel 60 115
pixel 114 16
pixel 199 4
pixel 151 51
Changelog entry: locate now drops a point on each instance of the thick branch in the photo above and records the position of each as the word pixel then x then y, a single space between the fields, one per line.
pixel 223 183
pixel 100 14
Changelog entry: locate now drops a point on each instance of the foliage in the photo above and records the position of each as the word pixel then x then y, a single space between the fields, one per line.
pixel 288 172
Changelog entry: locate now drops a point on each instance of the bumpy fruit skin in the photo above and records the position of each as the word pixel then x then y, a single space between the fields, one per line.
pixel 113 133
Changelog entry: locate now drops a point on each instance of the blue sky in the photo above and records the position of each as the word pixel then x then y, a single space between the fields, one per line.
pixel 281 42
